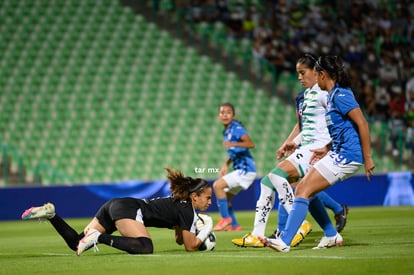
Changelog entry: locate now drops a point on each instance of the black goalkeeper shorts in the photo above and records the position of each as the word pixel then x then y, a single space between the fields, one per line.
pixel 116 209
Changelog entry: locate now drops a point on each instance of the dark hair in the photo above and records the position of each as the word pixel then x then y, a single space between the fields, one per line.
pixel 334 68
pixel 228 104
pixel 181 187
pixel 308 60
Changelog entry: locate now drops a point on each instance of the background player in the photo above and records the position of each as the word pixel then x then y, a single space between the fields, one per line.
pixel 237 143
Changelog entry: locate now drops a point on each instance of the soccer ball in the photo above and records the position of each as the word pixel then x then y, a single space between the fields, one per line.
pixel 210 242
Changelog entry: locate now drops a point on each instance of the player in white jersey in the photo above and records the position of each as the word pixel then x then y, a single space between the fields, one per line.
pixel 349 150
pixel 340 210
pixel 314 134
pixel 314 129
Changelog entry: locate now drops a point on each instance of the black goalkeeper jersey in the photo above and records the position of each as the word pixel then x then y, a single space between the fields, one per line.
pixel 167 213
pixel 159 212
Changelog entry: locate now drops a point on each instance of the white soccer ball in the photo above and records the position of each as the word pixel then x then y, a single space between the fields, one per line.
pixel 210 242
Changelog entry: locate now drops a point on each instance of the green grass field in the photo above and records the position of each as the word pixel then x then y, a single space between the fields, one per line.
pixel 376 241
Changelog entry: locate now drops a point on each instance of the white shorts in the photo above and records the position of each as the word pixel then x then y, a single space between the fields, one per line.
pixel 238 180
pixel 301 156
pixel 333 170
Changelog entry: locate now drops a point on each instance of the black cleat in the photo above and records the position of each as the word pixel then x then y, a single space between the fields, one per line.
pixel 275 234
pixel 340 218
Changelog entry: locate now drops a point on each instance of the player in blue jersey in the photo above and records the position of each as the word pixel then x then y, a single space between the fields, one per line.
pixel 131 217
pixel 349 149
pixel 340 210
pixel 237 143
pixel 313 132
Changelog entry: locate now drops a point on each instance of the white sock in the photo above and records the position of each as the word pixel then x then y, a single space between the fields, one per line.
pixel 264 206
pixel 284 190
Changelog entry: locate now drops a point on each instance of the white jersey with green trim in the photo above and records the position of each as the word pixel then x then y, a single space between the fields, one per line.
pixel 314 129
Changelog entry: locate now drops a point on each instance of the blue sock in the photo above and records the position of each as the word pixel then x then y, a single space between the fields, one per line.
pixel 223 207
pixel 233 217
pixel 282 216
pixel 329 202
pixel 318 212
pixel 295 219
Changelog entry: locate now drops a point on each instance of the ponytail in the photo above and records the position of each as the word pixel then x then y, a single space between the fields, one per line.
pixel 181 187
pixel 335 69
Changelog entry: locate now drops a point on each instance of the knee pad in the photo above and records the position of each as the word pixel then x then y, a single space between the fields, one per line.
pixel 142 245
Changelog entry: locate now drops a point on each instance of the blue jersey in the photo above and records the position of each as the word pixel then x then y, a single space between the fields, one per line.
pixel 241 157
pixel 343 131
